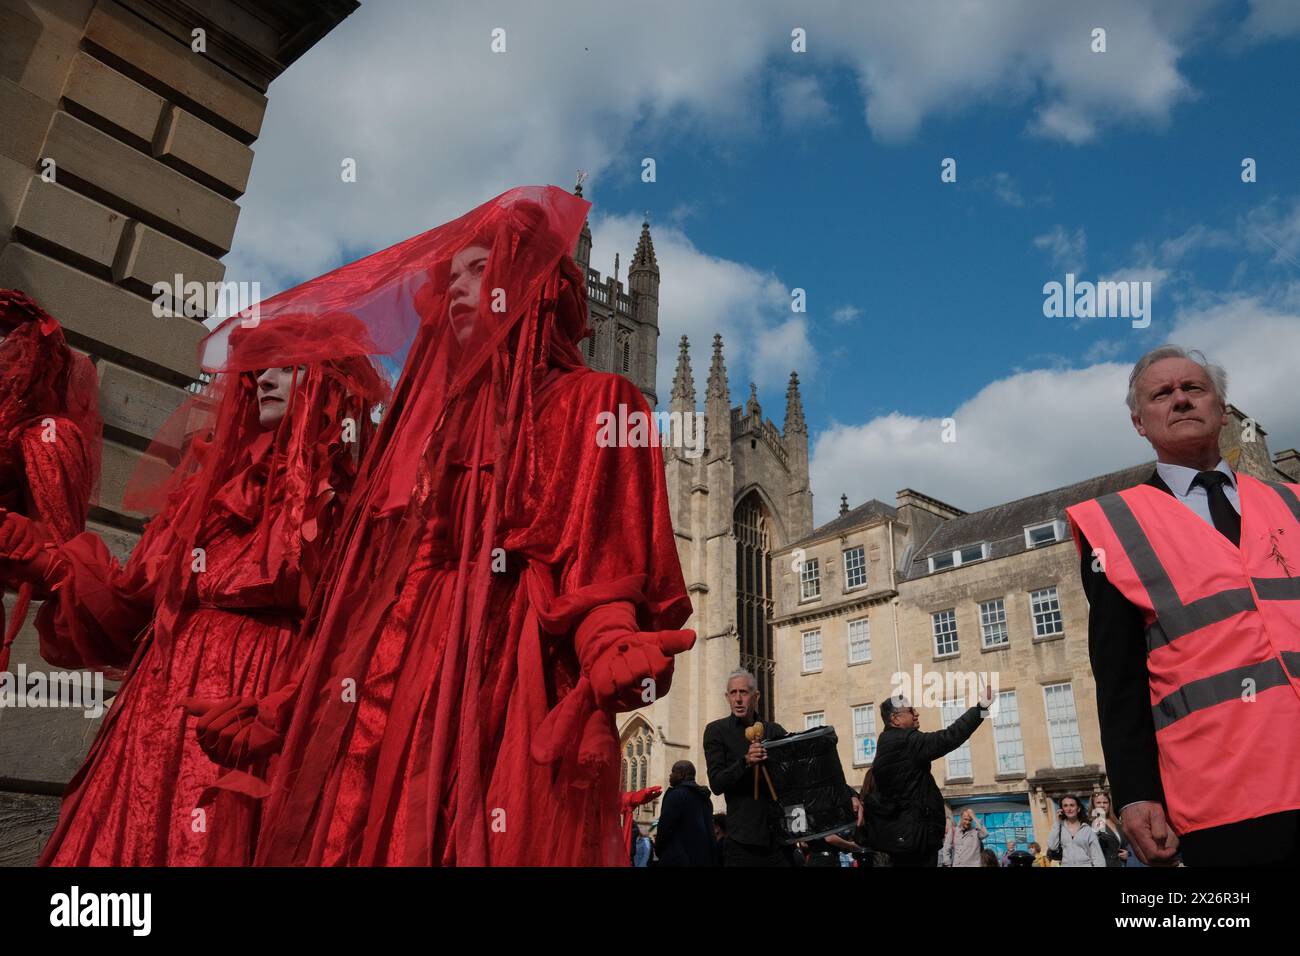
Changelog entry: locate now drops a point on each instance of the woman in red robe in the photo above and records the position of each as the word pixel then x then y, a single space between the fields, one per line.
pixel 508 581
pixel 209 603
pixel 49 441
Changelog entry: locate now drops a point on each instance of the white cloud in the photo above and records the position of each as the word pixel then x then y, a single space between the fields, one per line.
pixel 1068 250
pixel 1005 189
pixel 437 123
pixel 845 314
pixel 1270 19
pixel 800 102
pixel 1041 429
pixel 700 295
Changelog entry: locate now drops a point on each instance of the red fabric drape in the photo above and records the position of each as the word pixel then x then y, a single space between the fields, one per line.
pixel 209 603
pixel 50 433
pixel 443 715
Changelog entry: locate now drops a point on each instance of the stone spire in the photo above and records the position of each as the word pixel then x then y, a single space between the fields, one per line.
pixel 582 253
pixel 684 379
pixel 644 257
pixel 844 505
pixel 717 386
pixel 794 421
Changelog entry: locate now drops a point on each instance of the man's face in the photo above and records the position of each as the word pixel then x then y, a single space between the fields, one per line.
pixel 463 293
pixel 274 386
pixel 906 718
pixel 742 698
pixel 1177 407
pixel 967 818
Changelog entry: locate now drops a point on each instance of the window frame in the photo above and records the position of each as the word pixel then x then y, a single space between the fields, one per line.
pixel 934 633
pixel 866 621
pixel 997 712
pixel 1006 625
pixel 1058 533
pixel 1052 738
pixel 869 709
pixel 815 578
pixel 845 564
pixel 821 660
pixel 1060 615
pixel 955 553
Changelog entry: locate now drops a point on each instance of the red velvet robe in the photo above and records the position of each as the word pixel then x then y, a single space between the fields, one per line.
pixel 355 786
pixel 138 800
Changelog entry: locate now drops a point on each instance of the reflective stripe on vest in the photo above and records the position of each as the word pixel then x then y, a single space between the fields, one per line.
pixel 1175 619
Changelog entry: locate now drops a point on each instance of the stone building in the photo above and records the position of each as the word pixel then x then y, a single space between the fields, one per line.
pixel 733 507
pixel 923 597
pixel 128 133
pixel 625 324
pixel 746 496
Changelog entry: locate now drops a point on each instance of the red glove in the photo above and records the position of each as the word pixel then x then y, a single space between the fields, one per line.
pixel 632 799
pixel 25 548
pixel 241 732
pixel 627 668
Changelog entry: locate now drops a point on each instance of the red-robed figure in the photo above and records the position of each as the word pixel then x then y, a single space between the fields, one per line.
pixel 250 478
pixel 506 584
pixel 49 443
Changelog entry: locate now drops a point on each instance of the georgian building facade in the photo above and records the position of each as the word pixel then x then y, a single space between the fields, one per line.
pixel 924 598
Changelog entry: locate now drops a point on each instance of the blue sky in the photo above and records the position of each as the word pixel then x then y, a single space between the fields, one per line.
pixel 822 171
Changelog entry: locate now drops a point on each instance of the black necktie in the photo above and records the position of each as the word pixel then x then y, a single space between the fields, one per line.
pixel 1225 516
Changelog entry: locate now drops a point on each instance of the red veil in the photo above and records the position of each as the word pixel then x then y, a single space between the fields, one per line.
pixel 212 461
pixel 459 479
pixel 50 431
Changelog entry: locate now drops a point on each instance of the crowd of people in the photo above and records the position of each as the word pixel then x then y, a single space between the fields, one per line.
pixel 364 627
pixel 688 832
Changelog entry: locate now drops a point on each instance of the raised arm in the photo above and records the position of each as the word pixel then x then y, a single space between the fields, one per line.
pixel 934 745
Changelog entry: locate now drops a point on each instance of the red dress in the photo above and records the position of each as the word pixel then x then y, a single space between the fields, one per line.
pixel 139 798
pixel 598 532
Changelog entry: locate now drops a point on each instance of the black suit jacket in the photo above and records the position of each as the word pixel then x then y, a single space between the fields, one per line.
pixel 1118 650
pixel 749 821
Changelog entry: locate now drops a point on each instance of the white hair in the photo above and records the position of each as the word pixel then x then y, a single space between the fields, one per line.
pixel 1218 377
pixel 741 672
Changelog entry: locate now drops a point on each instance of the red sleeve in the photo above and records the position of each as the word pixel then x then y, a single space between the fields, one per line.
pixel 58 468
pixel 98 609
pixel 602 519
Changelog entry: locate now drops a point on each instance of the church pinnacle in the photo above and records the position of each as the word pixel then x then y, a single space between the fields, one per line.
pixel 644 257
pixel 717 387
pixel 794 421
pixel 684 379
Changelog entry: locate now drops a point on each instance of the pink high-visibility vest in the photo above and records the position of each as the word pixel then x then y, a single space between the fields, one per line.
pixel 1223 642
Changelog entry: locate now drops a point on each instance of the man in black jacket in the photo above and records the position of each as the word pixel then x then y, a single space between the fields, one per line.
pixel 902 770
pixel 732 763
pixel 685 821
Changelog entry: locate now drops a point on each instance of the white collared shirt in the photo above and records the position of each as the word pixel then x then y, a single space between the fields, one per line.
pixel 1179 478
